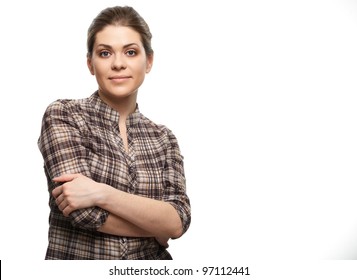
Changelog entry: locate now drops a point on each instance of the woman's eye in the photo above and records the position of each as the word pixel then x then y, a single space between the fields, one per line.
pixel 131 52
pixel 104 53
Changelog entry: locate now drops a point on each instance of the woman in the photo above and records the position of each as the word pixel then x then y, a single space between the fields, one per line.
pixel 116 179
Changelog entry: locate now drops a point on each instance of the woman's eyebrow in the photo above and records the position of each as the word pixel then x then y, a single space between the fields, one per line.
pixel 105 46
pixel 110 47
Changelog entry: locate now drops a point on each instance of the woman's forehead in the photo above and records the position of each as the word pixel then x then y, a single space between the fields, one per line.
pixel 113 35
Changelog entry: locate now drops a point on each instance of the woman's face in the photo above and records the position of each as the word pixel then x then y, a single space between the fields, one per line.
pixel 119 62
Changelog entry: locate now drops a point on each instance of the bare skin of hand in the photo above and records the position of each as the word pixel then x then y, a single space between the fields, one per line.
pixel 70 198
pixel 163 241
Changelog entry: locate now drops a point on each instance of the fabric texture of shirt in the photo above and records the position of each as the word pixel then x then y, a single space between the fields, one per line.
pixel 82 136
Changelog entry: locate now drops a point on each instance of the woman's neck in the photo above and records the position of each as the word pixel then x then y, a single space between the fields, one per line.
pixel 123 105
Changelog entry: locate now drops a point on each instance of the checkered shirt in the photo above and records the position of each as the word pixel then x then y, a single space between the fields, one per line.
pixel 82 136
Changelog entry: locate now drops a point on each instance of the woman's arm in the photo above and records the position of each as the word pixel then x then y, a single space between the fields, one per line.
pixel 168 218
pixel 156 217
pixel 151 217
pixel 63 151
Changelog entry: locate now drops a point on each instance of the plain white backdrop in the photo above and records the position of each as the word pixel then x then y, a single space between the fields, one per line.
pixel 260 94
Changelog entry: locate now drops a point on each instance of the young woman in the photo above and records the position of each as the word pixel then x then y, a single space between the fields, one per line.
pixel 116 179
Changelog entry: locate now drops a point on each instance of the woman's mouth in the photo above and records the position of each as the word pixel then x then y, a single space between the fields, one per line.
pixel 119 78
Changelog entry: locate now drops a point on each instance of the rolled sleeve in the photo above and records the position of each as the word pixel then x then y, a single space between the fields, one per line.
pixel 63 149
pixel 175 182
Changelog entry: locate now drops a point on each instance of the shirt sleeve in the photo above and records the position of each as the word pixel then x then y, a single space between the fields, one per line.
pixel 63 149
pixel 175 182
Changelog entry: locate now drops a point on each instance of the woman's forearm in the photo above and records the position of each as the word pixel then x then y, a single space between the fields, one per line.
pixel 154 217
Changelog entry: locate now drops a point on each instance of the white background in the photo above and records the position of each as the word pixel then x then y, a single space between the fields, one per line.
pixel 262 98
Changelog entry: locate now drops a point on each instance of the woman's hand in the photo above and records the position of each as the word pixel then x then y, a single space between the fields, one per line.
pixel 163 241
pixel 76 192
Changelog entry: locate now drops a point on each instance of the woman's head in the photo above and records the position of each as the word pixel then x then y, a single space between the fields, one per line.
pixel 119 54
pixel 120 16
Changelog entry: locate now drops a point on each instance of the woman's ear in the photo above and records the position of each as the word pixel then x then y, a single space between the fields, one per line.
pixel 90 65
pixel 149 62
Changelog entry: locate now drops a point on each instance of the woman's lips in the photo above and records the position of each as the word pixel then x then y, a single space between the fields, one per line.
pixel 119 79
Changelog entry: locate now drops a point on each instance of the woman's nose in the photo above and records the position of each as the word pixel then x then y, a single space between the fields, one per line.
pixel 118 62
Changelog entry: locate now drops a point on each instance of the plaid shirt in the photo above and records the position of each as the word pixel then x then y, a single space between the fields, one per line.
pixel 82 136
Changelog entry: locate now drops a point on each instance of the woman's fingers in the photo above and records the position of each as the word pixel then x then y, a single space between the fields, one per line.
pixel 57 191
pixel 163 241
pixel 76 192
pixel 65 177
pixel 63 205
pixel 60 199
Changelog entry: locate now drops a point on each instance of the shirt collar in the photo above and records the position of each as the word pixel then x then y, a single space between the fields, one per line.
pixel 110 114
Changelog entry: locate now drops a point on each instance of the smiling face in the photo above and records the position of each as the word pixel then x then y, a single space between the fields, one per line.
pixel 119 63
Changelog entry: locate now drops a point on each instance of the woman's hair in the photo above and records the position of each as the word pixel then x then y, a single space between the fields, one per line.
pixel 121 16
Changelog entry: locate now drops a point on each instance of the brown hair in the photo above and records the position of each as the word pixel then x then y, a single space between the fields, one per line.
pixel 123 16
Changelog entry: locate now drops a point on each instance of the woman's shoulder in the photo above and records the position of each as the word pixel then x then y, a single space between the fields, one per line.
pixel 157 129
pixel 68 106
pixel 154 126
